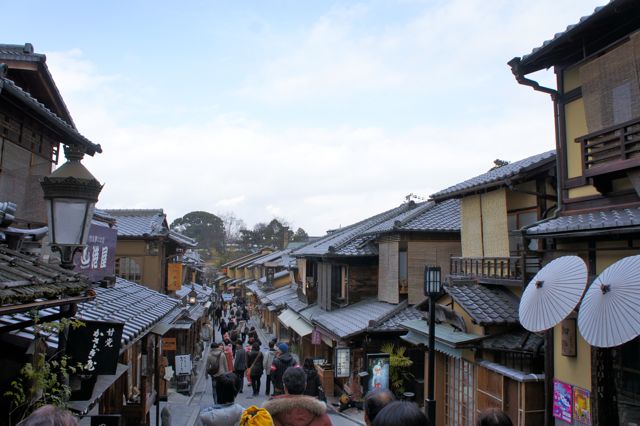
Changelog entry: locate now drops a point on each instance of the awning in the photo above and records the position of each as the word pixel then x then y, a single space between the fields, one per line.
pixel 516 375
pixel 161 329
pixel 444 333
pixel 181 326
pixel 419 339
pixel 103 383
pixel 271 308
pixel 291 319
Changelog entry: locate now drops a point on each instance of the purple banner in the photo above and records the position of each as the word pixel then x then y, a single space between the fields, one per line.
pixel 98 259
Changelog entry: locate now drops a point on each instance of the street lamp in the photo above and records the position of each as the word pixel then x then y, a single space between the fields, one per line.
pixel 71 193
pixel 193 295
pixel 432 289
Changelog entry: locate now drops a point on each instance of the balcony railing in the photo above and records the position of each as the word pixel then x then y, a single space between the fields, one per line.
pixel 494 270
pixel 611 150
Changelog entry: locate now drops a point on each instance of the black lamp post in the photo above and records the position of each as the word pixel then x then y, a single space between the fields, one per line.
pixel 193 296
pixel 432 289
pixel 71 193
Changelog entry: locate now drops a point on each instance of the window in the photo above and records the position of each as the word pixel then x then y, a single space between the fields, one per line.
pixel 129 269
pixel 459 392
pixel 403 282
pixel 339 283
pixel 516 220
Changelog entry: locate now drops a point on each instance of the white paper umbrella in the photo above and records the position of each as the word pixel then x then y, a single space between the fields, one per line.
pixel 553 293
pixel 610 311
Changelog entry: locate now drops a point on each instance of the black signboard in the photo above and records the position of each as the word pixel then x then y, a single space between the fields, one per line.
pixel 96 346
pixel 113 420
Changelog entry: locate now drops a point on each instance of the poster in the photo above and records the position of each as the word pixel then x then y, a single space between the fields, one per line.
pixel 581 406
pixel 378 369
pixel 98 258
pixel 96 346
pixel 183 364
pixel 343 362
pixel 562 401
pixel 174 279
pixel 316 339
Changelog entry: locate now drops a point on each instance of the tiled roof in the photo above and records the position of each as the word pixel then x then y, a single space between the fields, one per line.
pixel 497 177
pixel 243 259
pixel 426 217
pixel 394 323
pixel 356 318
pixel 311 311
pixel 487 305
pixel 281 296
pixel 592 221
pixel 138 223
pixel 72 136
pixel 515 341
pixel 138 307
pixel 350 240
pixel 540 57
pixel 296 304
pixel 25 278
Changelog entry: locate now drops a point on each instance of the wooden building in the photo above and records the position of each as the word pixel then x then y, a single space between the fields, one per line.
pixel 597 121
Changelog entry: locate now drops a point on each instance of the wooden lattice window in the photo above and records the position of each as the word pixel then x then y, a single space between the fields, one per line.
pixel 459 392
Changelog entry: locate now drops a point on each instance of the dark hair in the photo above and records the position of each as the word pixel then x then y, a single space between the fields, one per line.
pixel 215 344
pixel 375 400
pixel 272 343
pixel 295 380
pixel 401 413
pixel 49 415
pixel 227 386
pixel 493 417
pixel 255 346
pixel 308 364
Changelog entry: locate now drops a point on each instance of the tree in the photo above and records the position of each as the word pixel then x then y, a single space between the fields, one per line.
pixel 300 236
pixel 232 228
pixel 206 228
pixel 273 234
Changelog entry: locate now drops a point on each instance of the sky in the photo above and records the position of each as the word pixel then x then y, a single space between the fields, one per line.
pixel 319 112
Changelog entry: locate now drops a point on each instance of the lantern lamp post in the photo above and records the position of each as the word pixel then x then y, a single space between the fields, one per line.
pixel 432 289
pixel 71 193
pixel 193 295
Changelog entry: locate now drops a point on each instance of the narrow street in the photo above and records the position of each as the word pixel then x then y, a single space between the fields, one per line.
pixel 185 409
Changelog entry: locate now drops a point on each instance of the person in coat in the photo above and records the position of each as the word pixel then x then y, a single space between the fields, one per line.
pixel 268 361
pixel 313 379
pixel 216 366
pixel 240 363
pixel 281 362
pixel 226 412
pixel 255 361
pixel 293 408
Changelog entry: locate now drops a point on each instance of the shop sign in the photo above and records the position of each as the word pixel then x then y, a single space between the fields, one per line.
pixel 378 368
pixel 569 337
pixel 168 343
pixel 98 258
pixel 174 276
pixel 183 364
pixel 343 362
pixel 96 346
pixel 316 338
pixel 562 401
pixel 581 406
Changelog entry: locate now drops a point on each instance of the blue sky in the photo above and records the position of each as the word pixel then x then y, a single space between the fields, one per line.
pixel 319 112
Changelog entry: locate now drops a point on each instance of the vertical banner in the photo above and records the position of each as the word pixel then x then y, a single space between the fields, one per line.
pixel 96 346
pixel 174 276
pixel 378 367
pixel 183 364
pixel 562 401
pixel 581 406
pixel 98 259
pixel 343 362
pixel 316 338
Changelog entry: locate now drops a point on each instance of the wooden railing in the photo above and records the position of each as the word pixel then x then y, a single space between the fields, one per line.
pixel 490 270
pixel 612 149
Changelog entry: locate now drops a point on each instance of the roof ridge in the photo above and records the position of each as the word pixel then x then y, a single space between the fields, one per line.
pixel 415 212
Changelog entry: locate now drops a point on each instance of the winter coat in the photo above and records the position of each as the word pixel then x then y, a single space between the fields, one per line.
pixel 240 361
pixel 279 366
pixel 313 383
pixel 256 370
pixel 221 415
pixel 268 361
pixel 223 366
pixel 297 410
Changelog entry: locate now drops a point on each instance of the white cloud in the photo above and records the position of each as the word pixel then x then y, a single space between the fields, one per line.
pixel 231 202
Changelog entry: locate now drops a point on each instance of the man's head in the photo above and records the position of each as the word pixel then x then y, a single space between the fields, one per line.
pixel 294 380
pixel 227 386
pixel 283 348
pixel 49 415
pixel 374 401
pixel 215 345
pixel 272 344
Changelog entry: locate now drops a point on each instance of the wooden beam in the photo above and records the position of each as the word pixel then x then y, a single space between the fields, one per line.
pixel 14 309
pixel 24 324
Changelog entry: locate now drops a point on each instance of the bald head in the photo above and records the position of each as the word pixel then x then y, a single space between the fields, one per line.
pixel 374 401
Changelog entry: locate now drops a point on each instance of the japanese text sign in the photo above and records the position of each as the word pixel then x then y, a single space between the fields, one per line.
pixel 183 364
pixel 174 279
pixel 96 346
pixel 98 259
pixel 343 362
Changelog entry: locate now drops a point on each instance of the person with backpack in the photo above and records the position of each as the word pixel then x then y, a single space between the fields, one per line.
pixel 268 360
pixel 281 362
pixel 216 365
pixel 255 360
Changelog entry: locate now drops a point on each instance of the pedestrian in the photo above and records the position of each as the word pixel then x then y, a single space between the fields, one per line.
pixel 218 313
pixel 240 363
pixel 314 385
pixel 401 413
pixel 374 401
pixel 225 309
pixel 245 313
pixel 242 328
pixel 216 366
pixel 223 327
pixel 293 408
pixel 206 333
pixel 226 412
pixel 268 360
pixel 49 415
pixel 493 417
pixel 255 359
pixel 281 362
